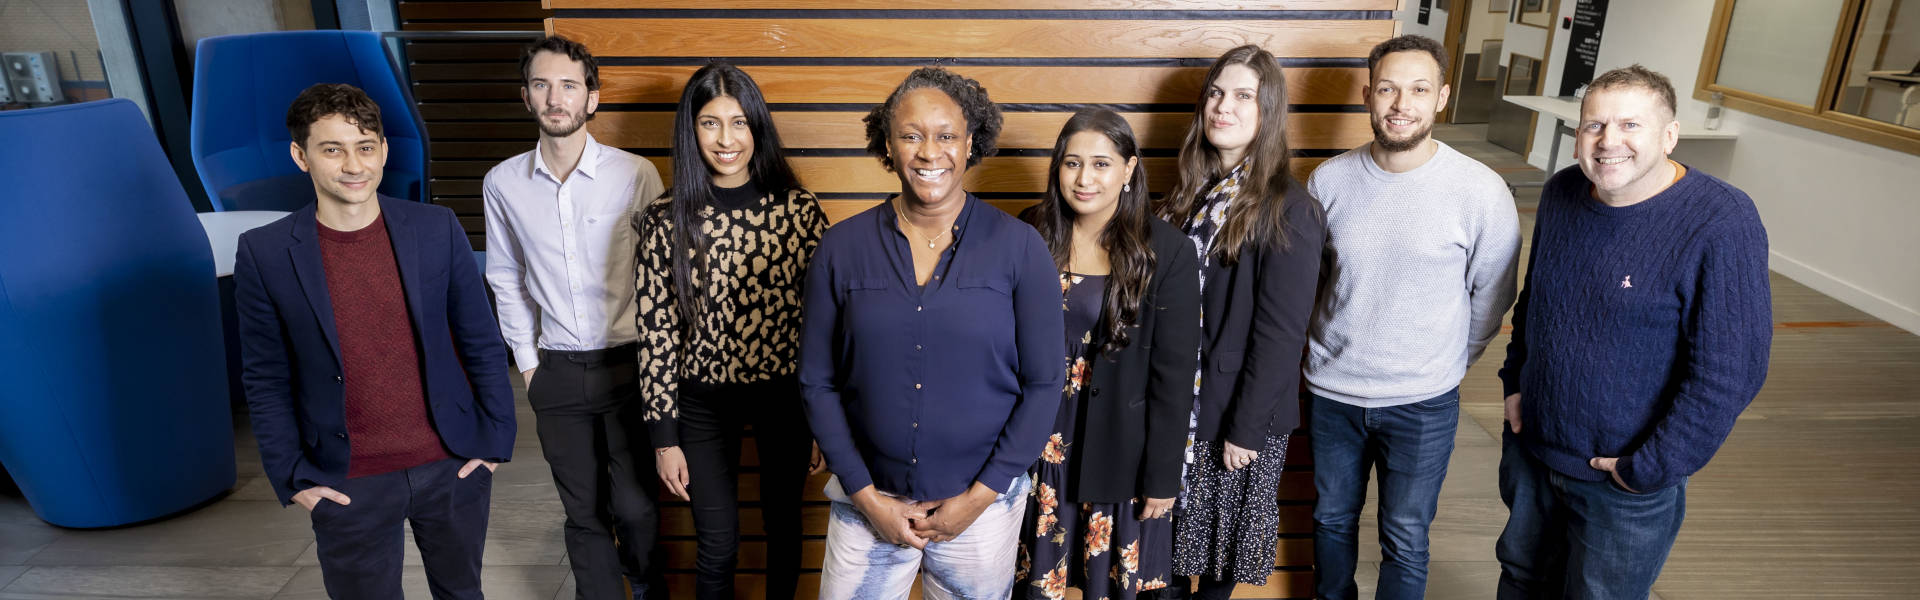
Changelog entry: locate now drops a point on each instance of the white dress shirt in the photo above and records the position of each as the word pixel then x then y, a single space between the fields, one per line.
pixel 560 256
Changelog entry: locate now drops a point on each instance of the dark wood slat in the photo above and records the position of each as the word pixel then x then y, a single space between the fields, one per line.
pixel 473 10
pixel 463 51
pixel 478 26
pixel 997 4
pixel 446 111
pixel 1009 38
pixel 506 71
pixel 1020 85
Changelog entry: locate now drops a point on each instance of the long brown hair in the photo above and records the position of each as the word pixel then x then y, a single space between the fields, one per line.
pixel 1126 236
pixel 1257 216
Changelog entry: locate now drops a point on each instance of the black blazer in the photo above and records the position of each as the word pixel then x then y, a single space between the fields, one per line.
pixel 1135 423
pixel 290 354
pixel 1256 331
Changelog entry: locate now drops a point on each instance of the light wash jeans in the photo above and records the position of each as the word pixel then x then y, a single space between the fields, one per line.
pixel 978 565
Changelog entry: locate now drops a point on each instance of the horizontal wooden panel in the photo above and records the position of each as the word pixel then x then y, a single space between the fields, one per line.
pixel 447 111
pixel 472 10
pixel 1020 130
pixel 440 50
pixel 992 4
pixel 978 38
pixel 860 174
pixel 498 70
pixel 531 25
pixel 1007 85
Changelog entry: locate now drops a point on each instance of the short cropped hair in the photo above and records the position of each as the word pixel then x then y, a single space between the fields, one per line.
pixel 565 47
pixel 1640 77
pixel 325 99
pixel 1408 43
pixel 983 116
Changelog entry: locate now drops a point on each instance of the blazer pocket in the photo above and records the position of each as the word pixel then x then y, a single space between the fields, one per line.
pixel 310 437
pixel 1228 362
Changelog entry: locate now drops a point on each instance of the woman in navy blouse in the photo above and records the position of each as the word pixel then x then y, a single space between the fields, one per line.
pixel 930 359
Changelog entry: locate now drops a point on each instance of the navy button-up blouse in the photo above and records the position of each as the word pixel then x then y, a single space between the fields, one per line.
pixel 922 391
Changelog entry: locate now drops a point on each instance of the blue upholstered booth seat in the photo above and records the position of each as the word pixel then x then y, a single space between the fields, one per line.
pixel 242 87
pixel 115 407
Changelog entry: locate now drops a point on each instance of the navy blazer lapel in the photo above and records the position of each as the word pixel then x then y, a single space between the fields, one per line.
pixel 312 273
pixel 406 255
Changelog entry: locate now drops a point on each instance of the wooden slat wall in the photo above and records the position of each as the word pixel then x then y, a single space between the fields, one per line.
pixel 823 64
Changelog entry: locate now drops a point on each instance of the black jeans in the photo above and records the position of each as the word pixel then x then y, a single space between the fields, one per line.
pixel 711 420
pixel 360 544
pixel 590 435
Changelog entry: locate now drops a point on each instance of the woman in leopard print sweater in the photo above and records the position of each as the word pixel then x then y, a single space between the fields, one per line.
pixel 720 278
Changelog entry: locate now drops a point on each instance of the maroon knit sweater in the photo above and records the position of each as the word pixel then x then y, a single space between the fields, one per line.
pixel 388 427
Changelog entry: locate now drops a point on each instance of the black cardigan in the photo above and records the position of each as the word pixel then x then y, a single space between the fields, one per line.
pixel 1135 422
pixel 1256 331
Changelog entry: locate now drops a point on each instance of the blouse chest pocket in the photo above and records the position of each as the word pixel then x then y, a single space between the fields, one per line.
pixel 981 284
pixel 856 289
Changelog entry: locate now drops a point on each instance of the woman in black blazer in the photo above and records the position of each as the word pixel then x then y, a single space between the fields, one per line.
pixel 1130 289
pixel 1259 236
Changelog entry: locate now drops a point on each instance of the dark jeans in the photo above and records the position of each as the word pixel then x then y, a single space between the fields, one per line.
pixel 1409 446
pixel 711 420
pixel 1569 538
pixel 360 544
pixel 590 435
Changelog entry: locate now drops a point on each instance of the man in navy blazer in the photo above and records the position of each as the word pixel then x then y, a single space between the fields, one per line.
pixel 374 372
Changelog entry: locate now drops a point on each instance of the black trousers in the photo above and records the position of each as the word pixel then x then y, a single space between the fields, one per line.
pixel 712 418
pixel 360 544
pixel 595 442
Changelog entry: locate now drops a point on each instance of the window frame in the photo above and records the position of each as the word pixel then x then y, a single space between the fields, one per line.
pixel 1819 116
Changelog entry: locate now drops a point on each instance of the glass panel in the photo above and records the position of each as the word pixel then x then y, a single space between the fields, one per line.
pixel 1883 78
pixel 1778 48
pixel 51 55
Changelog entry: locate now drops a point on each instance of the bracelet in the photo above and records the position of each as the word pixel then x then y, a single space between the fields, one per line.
pixel 661 451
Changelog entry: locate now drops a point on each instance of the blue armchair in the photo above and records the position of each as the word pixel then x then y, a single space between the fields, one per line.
pixel 242 86
pixel 115 409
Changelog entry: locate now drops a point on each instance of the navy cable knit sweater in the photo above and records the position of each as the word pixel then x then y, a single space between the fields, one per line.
pixel 1642 331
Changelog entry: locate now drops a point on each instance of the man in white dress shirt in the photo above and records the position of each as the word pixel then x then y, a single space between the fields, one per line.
pixel 560 260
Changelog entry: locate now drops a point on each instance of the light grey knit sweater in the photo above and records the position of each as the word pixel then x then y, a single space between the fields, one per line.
pixel 1419 271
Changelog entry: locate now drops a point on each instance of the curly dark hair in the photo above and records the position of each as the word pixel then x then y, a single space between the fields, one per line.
pixel 1408 43
pixel 323 99
pixel 564 47
pixel 983 116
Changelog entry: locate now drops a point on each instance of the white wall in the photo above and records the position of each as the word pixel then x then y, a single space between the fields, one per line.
pixel 1842 216
pixel 1409 18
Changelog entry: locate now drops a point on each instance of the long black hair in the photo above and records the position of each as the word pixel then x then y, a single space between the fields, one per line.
pixel 692 190
pixel 1129 251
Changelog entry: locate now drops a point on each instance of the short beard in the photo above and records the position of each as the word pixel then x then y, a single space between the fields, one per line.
pixel 1390 145
pixel 564 130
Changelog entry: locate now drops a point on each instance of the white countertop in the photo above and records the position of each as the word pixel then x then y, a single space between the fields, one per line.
pixel 224 229
pixel 1568 110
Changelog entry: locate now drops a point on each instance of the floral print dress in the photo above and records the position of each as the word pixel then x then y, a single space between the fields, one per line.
pixel 1102 548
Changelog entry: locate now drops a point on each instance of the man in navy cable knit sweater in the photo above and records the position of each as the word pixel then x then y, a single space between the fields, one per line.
pixel 1642 332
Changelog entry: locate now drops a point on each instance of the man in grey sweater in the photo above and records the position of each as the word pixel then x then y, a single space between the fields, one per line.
pixel 1422 244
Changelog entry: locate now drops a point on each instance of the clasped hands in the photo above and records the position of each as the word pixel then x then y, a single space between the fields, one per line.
pixel 917 524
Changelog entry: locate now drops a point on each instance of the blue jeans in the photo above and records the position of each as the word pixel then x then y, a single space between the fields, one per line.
pixel 977 565
pixel 1569 538
pixel 1409 445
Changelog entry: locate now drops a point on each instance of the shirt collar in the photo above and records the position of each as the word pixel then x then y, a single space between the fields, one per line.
pixel 589 159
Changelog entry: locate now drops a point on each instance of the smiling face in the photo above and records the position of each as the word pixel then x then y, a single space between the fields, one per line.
pixel 1092 174
pixel 1232 112
pixel 556 93
pixel 928 143
pixel 1405 94
pixel 1625 135
pixel 726 141
pixel 344 160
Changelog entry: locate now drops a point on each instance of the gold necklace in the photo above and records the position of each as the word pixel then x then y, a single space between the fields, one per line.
pixel 916 229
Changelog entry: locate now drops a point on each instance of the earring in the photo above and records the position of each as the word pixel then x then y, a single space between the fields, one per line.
pixel 1126 188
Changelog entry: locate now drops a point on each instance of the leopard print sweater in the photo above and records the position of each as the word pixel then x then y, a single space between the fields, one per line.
pixel 749 330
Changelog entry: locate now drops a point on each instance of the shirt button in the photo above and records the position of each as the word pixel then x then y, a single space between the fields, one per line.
pixel 919 308
pixel 916 386
pixel 340 435
pixel 916 424
pixel 916 346
pixel 913 461
pixel 339 379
